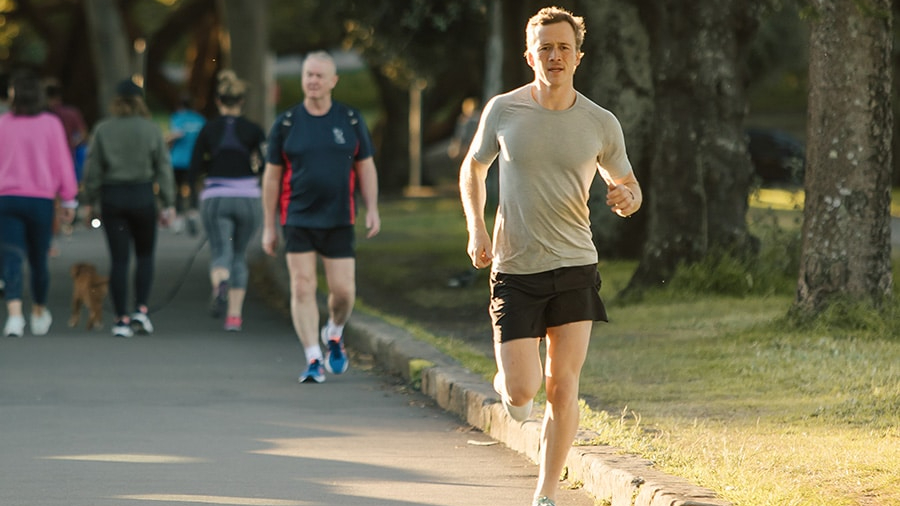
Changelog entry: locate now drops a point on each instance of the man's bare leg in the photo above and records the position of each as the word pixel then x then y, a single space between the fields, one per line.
pixel 567 347
pixel 304 308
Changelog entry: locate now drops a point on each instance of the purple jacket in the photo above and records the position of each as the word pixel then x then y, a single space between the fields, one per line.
pixel 35 159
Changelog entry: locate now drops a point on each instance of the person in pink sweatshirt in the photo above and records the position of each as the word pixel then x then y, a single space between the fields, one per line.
pixel 35 168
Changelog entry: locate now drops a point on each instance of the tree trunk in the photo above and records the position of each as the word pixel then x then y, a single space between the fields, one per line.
pixel 846 230
pixel 516 14
pixel 493 54
pixel 696 198
pixel 68 51
pixel 391 134
pixel 895 63
pixel 247 24
pixel 110 47
pixel 200 23
pixel 615 72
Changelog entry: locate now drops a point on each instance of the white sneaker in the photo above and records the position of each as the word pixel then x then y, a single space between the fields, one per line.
pixel 140 322
pixel 40 325
pixel 178 225
pixel 122 329
pixel 517 413
pixel 15 326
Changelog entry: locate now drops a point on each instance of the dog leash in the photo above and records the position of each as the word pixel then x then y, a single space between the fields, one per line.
pixel 170 296
pixel 173 291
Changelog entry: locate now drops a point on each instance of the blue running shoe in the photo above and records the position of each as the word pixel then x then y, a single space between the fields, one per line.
pixel 335 358
pixel 314 373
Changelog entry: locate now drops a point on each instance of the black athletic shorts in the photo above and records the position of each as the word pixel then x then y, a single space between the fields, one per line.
pixel 338 242
pixel 526 305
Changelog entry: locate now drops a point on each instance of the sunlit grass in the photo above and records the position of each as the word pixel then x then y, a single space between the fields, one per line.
pixel 721 390
pixel 782 200
pixel 732 399
pixel 793 200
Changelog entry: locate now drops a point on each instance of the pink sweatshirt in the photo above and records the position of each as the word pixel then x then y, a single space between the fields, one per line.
pixel 35 160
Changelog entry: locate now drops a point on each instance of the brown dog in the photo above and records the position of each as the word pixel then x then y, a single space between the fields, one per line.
pixel 89 290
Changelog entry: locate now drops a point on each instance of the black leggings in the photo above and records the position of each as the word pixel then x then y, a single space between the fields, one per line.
pixel 129 217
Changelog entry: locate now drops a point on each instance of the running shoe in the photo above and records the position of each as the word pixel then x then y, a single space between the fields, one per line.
pixel 122 329
pixel 15 326
pixel 233 323
pixel 193 228
pixel 219 301
pixel 140 323
pixel 178 225
pixel 314 373
pixel 543 501
pixel 517 413
pixel 40 325
pixel 335 358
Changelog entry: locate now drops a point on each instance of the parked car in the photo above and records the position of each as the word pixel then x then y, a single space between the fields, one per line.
pixel 777 156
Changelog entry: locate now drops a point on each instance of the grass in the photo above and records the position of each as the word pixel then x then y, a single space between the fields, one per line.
pixel 721 390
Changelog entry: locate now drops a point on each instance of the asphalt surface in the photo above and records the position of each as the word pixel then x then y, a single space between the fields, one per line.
pixel 196 415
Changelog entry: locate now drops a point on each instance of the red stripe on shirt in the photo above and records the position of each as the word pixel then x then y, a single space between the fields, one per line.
pixel 284 199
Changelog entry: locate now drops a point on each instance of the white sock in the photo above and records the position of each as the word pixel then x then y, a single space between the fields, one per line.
pixel 313 353
pixel 334 329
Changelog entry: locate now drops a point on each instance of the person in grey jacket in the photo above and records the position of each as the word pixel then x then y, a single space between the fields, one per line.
pixel 126 156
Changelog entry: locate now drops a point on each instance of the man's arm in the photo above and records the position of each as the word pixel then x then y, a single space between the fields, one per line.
pixel 271 185
pixel 368 181
pixel 473 193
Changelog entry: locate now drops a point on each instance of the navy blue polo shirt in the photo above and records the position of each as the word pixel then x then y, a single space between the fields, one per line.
pixel 318 154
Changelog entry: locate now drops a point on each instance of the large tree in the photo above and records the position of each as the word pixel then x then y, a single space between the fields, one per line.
pixel 194 31
pixel 66 46
pixel 846 229
pixel 247 24
pixel 110 48
pixel 408 41
pixel 700 174
pixel 615 72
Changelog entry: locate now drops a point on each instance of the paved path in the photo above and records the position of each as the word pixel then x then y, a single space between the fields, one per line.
pixel 195 415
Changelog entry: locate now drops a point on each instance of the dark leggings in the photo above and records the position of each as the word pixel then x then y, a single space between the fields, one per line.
pixel 26 225
pixel 129 217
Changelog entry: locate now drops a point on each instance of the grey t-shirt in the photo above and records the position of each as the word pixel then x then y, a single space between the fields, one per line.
pixel 548 160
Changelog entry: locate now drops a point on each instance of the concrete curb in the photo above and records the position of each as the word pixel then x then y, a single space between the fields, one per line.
pixel 607 473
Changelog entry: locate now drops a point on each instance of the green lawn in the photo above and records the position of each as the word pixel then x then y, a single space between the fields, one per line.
pixel 721 390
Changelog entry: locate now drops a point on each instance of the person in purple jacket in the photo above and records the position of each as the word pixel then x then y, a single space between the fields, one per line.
pixel 35 168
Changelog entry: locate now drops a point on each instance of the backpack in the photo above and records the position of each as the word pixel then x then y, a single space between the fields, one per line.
pixel 230 140
pixel 287 122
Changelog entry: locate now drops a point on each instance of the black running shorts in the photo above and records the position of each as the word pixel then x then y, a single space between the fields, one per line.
pixel 338 242
pixel 526 305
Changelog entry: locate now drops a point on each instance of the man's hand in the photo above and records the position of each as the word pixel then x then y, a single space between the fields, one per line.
pixel 373 223
pixel 479 249
pixel 622 200
pixel 623 195
pixel 269 241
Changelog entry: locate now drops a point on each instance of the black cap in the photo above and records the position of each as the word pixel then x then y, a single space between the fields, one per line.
pixel 127 89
